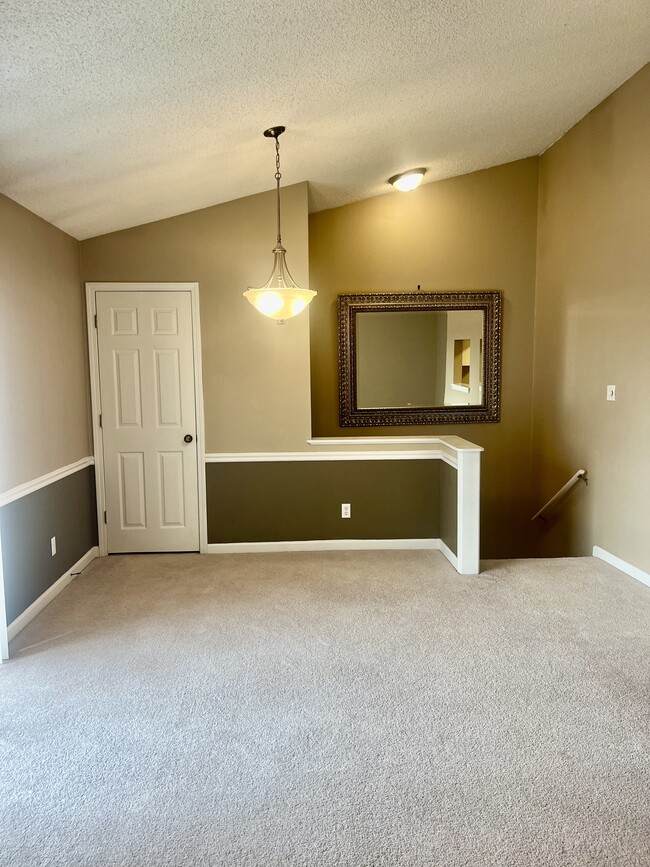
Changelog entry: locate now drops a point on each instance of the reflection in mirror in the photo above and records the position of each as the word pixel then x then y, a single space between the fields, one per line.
pixel 401 358
pixel 419 358
pixel 464 358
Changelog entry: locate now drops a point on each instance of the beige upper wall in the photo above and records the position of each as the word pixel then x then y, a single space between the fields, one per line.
pixel 593 328
pixel 255 372
pixel 43 356
pixel 476 232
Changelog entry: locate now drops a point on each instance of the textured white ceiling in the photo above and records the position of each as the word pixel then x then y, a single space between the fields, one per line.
pixel 119 112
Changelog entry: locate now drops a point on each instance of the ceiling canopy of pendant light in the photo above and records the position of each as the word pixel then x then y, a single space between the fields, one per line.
pixel 280 297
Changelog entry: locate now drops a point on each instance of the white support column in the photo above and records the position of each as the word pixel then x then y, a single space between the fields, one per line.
pixel 4 639
pixel 469 509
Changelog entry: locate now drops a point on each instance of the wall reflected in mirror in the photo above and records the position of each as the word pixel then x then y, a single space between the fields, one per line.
pixel 419 358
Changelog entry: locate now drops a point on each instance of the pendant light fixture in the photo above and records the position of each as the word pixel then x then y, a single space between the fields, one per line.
pixel 280 297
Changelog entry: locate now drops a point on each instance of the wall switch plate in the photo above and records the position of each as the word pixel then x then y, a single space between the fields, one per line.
pixel 611 392
pixel 53 545
pixel 345 510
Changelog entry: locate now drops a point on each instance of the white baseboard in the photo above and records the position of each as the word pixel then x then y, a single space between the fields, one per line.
pixel 335 545
pixel 617 563
pixel 45 598
pixel 448 553
pixel 323 545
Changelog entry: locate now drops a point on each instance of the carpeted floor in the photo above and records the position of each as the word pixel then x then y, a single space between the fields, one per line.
pixel 344 709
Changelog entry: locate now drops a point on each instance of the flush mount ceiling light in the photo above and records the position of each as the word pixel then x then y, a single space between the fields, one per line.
pixel 407 180
pixel 280 297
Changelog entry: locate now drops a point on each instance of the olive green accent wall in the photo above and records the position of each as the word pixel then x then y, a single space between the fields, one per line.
pixel 44 404
pixel 65 509
pixel 593 330
pixel 475 232
pixel 301 500
pixel 449 506
pixel 255 372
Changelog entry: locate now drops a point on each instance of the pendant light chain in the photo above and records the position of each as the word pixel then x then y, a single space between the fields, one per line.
pixel 277 181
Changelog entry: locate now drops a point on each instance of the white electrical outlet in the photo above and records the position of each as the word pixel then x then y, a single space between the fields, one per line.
pixel 53 545
pixel 611 392
pixel 345 510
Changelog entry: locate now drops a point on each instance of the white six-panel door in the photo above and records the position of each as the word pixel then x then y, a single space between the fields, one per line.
pixel 146 374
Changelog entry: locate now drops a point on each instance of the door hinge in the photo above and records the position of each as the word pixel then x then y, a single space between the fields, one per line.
pixel 100 420
pixel 105 521
pixel 95 320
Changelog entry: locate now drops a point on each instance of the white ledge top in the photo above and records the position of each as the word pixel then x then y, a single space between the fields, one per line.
pixel 457 444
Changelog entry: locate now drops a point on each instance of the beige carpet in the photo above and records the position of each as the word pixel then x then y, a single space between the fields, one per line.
pixel 339 709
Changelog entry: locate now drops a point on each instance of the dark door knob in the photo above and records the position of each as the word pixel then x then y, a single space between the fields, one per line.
pixel 188 438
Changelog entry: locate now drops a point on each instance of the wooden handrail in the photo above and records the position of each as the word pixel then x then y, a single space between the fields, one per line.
pixel 581 474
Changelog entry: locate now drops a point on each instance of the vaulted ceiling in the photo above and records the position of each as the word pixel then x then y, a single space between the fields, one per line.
pixel 119 112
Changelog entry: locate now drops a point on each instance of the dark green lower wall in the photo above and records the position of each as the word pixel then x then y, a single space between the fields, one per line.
pixel 65 509
pixel 449 506
pixel 301 500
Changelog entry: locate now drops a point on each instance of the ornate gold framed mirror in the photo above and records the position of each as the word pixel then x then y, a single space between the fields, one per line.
pixel 419 358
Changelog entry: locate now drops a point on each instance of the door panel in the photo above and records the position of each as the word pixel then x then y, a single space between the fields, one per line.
pixel 165 320
pixel 168 388
pixel 125 321
pixel 171 489
pixel 127 388
pixel 132 493
pixel 146 372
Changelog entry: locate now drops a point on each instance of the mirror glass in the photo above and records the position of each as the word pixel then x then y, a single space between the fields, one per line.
pixel 419 358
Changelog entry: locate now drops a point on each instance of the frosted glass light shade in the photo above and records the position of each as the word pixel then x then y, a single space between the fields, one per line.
pixel 407 180
pixel 280 298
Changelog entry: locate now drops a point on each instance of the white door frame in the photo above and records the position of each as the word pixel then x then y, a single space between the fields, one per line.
pixel 98 441
pixel 4 631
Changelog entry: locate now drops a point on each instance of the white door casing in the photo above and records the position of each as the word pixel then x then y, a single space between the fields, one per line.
pixel 147 402
pixel 4 635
